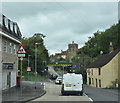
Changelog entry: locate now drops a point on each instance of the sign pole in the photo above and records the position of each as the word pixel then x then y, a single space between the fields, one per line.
pixel 21 53
pixel 21 75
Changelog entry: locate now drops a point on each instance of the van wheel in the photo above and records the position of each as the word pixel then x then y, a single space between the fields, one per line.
pixel 62 93
pixel 81 93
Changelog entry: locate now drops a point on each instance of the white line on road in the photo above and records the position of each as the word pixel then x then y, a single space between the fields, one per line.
pixel 88 97
pixel 91 99
pixel 85 94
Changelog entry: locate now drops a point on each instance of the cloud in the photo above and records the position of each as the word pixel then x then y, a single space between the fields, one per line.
pixel 62 22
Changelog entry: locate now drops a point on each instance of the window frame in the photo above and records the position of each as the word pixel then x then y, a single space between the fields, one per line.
pixel 10 47
pixel 5 46
pixel 15 48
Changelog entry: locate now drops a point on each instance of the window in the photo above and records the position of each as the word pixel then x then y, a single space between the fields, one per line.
pixel 16 29
pixel 6 23
pixel 11 26
pixel 99 83
pixel 14 49
pixel 7 66
pixel 10 48
pixel 92 81
pixel 0 44
pixel 99 71
pixel 5 46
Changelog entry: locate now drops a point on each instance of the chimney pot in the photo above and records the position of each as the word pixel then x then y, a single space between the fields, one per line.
pixel 111 47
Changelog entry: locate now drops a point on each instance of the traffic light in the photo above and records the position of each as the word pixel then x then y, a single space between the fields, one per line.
pixel 73 70
pixel 46 69
pixel 70 70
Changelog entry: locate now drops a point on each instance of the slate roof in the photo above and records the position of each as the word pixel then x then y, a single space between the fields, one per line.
pixel 10 28
pixel 104 59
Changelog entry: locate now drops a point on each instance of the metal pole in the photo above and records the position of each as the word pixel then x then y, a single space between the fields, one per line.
pixel 21 76
pixel 83 65
pixel 28 60
pixel 28 66
pixel 63 69
pixel 35 64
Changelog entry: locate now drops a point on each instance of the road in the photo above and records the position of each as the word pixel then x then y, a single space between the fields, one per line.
pixel 98 94
pixel 53 93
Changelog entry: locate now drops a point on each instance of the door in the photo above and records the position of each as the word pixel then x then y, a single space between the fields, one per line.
pixel 9 80
pixel 89 81
pixel 77 83
pixel 96 83
pixel 67 80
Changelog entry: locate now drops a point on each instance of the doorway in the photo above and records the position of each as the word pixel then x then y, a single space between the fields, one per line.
pixel 9 80
pixel 96 83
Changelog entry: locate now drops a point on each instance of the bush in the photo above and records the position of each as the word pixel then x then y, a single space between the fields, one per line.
pixel 113 84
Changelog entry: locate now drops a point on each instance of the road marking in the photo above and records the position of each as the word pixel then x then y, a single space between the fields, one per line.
pixel 88 97
pixel 85 94
pixel 91 99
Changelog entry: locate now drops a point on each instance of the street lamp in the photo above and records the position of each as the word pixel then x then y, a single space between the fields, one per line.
pixel 36 63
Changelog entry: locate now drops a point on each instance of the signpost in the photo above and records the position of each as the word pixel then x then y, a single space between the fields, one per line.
pixel 21 53
pixel 28 69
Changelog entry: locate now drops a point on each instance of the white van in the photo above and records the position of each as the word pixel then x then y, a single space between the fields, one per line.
pixel 72 84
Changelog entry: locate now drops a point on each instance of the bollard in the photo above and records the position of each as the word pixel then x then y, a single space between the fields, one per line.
pixel 44 86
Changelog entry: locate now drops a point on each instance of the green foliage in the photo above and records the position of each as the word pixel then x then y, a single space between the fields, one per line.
pixel 100 41
pixel 113 84
pixel 31 76
pixel 42 52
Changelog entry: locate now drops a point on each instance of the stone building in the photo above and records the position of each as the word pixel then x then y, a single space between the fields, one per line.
pixel 10 38
pixel 72 50
pixel 69 53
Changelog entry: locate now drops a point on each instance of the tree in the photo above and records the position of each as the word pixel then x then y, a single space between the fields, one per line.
pixel 42 52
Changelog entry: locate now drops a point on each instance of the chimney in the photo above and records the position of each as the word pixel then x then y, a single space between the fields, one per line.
pixel 111 49
pixel 72 42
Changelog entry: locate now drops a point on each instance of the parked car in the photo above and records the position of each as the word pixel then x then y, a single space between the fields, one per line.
pixel 58 80
pixel 72 84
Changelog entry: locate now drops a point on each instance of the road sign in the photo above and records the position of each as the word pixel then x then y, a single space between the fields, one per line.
pixel 21 50
pixel 21 59
pixel 21 55
pixel 28 68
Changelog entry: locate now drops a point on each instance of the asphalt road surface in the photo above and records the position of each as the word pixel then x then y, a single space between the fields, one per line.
pixel 53 93
pixel 98 94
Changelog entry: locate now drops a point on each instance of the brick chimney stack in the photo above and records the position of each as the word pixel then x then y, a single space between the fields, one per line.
pixel 111 49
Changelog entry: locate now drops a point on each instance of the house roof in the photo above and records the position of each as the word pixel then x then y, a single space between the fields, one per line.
pixel 104 59
pixel 10 28
pixel 62 53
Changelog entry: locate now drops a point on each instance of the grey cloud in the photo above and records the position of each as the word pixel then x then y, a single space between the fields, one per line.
pixel 62 22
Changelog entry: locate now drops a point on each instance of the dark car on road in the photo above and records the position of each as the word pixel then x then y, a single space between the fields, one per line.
pixel 53 76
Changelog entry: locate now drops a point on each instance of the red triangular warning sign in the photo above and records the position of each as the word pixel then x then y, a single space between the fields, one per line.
pixel 21 50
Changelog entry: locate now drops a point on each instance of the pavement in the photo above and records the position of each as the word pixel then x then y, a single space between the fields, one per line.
pixel 28 93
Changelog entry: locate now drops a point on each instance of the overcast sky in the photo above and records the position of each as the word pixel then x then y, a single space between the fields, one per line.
pixel 62 22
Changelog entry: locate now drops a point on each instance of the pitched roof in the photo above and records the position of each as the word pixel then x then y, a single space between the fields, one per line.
pixel 62 53
pixel 104 59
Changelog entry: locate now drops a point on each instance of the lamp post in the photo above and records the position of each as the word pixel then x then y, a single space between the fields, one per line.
pixel 36 63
